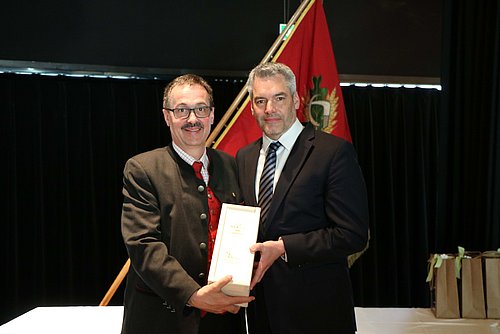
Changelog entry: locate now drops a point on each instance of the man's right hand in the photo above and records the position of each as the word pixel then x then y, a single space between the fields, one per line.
pixel 211 298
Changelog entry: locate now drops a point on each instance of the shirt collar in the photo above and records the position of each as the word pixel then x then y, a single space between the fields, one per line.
pixel 287 139
pixel 189 159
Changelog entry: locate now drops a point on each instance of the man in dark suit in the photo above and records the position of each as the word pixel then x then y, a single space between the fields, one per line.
pixel 169 223
pixel 318 214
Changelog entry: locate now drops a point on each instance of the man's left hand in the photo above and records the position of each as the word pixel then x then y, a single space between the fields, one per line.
pixel 269 252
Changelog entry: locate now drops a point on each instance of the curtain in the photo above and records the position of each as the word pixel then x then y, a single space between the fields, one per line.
pixel 432 165
pixel 65 141
pixel 64 144
pixel 395 133
pixel 469 169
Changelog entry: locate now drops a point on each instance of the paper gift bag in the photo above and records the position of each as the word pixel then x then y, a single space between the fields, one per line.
pixel 492 272
pixel 472 286
pixel 443 285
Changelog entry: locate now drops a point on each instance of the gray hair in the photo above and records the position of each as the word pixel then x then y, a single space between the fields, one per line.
pixel 267 70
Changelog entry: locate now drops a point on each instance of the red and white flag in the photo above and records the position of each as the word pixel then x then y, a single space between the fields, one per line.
pixel 308 52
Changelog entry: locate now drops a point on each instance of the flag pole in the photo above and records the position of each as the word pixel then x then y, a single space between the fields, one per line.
pixel 270 53
pixel 211 139
pixel 116 283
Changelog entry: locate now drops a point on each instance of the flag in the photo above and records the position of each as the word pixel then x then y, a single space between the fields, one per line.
pixel 308 51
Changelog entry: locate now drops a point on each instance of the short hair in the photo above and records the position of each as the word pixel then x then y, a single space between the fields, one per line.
pixel 271 69
pixel 187 79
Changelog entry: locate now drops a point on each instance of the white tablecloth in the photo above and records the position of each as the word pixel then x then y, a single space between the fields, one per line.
pixel 418 321
pixel 96 320
pixel 67 320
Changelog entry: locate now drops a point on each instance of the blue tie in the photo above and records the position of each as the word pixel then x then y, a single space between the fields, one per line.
pixel 266 182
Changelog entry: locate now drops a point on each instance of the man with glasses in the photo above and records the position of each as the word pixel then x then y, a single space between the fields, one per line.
pixel 314 213
pixel 172 199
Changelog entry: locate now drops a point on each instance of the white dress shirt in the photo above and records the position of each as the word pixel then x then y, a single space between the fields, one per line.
pixel 287 141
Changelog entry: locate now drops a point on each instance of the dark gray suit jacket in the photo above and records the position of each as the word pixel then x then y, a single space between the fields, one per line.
pixel 320 210
pixel 164 227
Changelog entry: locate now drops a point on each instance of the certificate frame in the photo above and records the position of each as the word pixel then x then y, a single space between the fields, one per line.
pixel 237 231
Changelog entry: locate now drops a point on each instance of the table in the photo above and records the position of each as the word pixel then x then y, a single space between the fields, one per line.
pixel 100 319
pixel 67 319
pixel 418 321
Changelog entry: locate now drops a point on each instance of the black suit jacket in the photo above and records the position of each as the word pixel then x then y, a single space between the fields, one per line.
pixel 319 209
pixel 164 227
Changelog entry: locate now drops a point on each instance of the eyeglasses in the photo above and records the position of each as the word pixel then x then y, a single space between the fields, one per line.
pixel 200 112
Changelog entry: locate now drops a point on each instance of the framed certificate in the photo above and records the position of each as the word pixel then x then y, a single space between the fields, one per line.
pixel 237 231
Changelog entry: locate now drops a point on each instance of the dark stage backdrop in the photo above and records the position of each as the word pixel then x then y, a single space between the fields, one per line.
pixel 395 132
pixel 65 141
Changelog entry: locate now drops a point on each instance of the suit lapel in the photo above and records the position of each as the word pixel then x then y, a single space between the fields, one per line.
pixel 293 165
pixel 250 168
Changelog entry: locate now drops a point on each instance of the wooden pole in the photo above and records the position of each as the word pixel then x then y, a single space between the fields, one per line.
pixel 118 280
